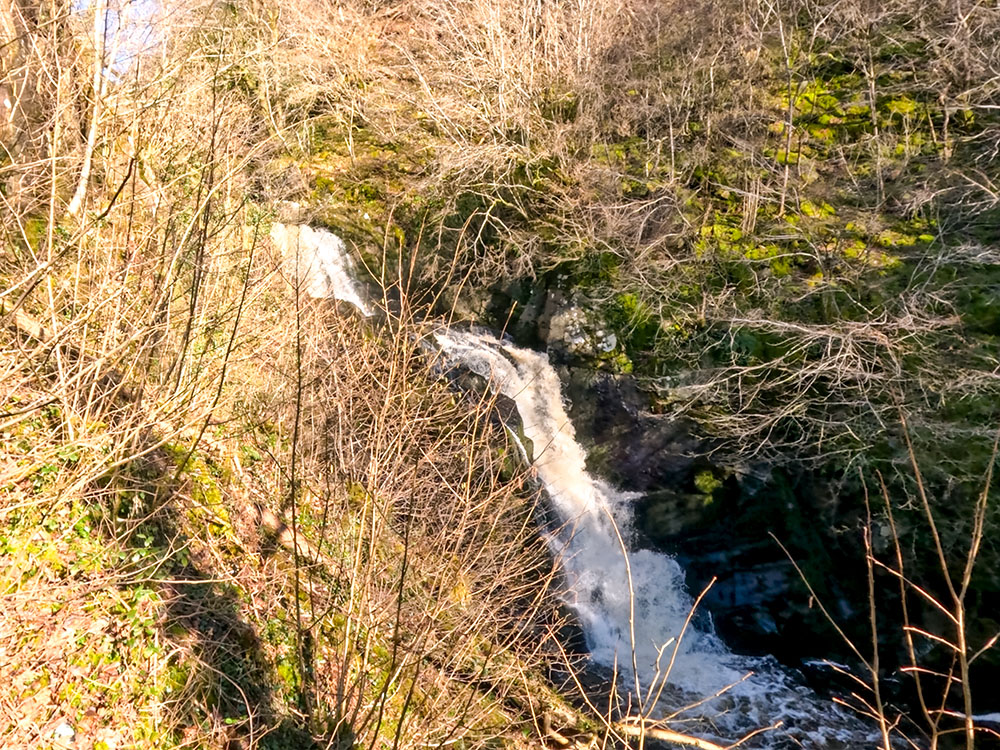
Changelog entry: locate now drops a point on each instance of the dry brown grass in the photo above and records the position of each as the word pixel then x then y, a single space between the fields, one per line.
pixel 265 520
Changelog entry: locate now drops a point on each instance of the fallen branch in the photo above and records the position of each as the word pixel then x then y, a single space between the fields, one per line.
pixel 666 735
pixel 637 727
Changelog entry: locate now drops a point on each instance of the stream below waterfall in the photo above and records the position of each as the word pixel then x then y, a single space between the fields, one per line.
pixel 631 604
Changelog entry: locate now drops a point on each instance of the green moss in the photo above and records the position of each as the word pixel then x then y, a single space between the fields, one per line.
pixel 206 479
pixel 619 362
pixel 559 105
pixel 706 482
pixel 892 238
pixel 362 193
pixel 813 99
pixel 819 210
pixel 35 231
pixel 787 157
pixel 823 134
pixel 903 106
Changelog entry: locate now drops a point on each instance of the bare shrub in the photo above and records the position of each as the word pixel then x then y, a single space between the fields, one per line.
pixel 940 650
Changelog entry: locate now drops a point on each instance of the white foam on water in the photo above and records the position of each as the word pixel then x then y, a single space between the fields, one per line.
pixel 323 263
pixel 632 604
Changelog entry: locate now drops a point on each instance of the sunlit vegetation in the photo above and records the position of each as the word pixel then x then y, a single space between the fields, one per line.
pixel 230 516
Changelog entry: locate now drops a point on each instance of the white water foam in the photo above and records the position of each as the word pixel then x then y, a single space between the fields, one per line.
pixel 632 604
pixel 323 263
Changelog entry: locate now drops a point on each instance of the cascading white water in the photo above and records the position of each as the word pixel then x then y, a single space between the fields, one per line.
pixel 591 545
pixel 631 604
pixel 323 263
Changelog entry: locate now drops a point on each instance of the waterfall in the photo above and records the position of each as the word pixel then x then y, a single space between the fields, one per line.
pixel 631 604
pixel 591 545
pixel 322 263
